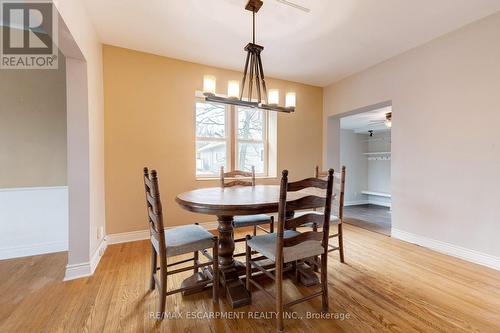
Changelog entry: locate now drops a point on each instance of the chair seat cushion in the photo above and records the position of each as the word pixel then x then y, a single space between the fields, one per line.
pixel 266 245
pixel 187 238
pixel 333 219
pixel 251 220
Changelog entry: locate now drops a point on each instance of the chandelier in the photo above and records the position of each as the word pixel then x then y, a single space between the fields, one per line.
pixel 388 119
pixel 253 77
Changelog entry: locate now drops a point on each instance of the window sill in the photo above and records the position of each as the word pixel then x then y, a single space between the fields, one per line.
pixel 217 178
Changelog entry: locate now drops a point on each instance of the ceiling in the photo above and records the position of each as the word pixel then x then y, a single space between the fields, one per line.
pixel 336 39
pixel 365 121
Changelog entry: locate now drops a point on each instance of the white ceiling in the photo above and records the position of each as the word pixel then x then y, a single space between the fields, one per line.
pixel 363 122
pixel 336 39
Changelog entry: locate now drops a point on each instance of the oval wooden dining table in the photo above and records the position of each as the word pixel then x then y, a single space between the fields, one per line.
pixel 225 203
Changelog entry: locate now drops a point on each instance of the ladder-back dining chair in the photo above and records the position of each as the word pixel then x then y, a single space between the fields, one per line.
pixel 244 178
pixel 337 214
pixel 290 246
pixel 174 242
pixel 337 208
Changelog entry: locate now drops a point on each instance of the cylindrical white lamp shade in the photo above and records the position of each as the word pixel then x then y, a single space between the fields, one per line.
pixel 290 100
pixel 209 83
pixel 273 97
pixel 233 89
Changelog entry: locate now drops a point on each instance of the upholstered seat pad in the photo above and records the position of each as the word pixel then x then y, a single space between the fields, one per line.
pixel 266 245
pixel 333 219
pixel 188 238
pixel 251 220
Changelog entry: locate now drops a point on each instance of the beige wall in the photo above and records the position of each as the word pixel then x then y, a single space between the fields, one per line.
pixel 446 118
pixel 149 121
pixel 33 127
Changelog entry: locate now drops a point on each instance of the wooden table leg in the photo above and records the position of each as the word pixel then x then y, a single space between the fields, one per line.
pixel 236 293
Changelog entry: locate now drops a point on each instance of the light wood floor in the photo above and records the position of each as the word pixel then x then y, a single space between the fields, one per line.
pixel 385 286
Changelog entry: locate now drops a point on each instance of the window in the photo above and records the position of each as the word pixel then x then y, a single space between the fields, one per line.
pixel 231 136
pixel 211 138
pixel 251 140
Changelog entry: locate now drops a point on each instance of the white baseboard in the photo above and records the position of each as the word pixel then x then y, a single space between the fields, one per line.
pixel 32 249
pixel 133 236
pixel 96 257
pixel 355 203
pixel 77 271
pixel 85 269
pixel 366 202
pixel 125 237
pixel 450 249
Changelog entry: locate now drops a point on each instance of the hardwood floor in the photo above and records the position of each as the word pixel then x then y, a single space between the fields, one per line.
pixel 385 286
pixel 371 217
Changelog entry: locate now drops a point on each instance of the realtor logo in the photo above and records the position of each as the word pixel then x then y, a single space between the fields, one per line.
pixel 29 33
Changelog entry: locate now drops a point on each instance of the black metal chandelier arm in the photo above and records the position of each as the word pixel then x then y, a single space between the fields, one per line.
pixel 257 77
pixel 264 88
pixel 250 81
pixel 243 81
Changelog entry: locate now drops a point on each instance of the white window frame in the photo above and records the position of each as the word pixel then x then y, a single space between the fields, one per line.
pixel 231 139
pixel 226 138
pixel 264 141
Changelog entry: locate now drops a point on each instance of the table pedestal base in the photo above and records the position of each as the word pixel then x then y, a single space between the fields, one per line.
pixel 236 293
pixel 193 280
pixel 306 276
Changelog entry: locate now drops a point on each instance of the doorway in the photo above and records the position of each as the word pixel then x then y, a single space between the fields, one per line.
pixel 364 138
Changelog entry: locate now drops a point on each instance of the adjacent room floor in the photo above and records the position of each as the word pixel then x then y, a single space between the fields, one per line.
pixel 386 285
pixel 371 217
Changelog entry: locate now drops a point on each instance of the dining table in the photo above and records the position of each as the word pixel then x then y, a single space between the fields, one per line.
pixel 225 203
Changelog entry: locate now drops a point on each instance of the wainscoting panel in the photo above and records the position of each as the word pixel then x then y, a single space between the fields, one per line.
pixel 33 221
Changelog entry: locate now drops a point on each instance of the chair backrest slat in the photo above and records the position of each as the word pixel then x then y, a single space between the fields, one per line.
pixel 147 182
pixel 150 199
pixel 303 219
pixel 153 218
pixel 154 212
pixel 338 190
pixel 155 240
pixel 302 237
pixel 307 202
pixel 241 175
pixel 238 183
pixel 306 183
pixel 238 173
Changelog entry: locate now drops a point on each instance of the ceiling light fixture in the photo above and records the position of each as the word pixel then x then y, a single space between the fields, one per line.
pixel 255 74
pixel 388 120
